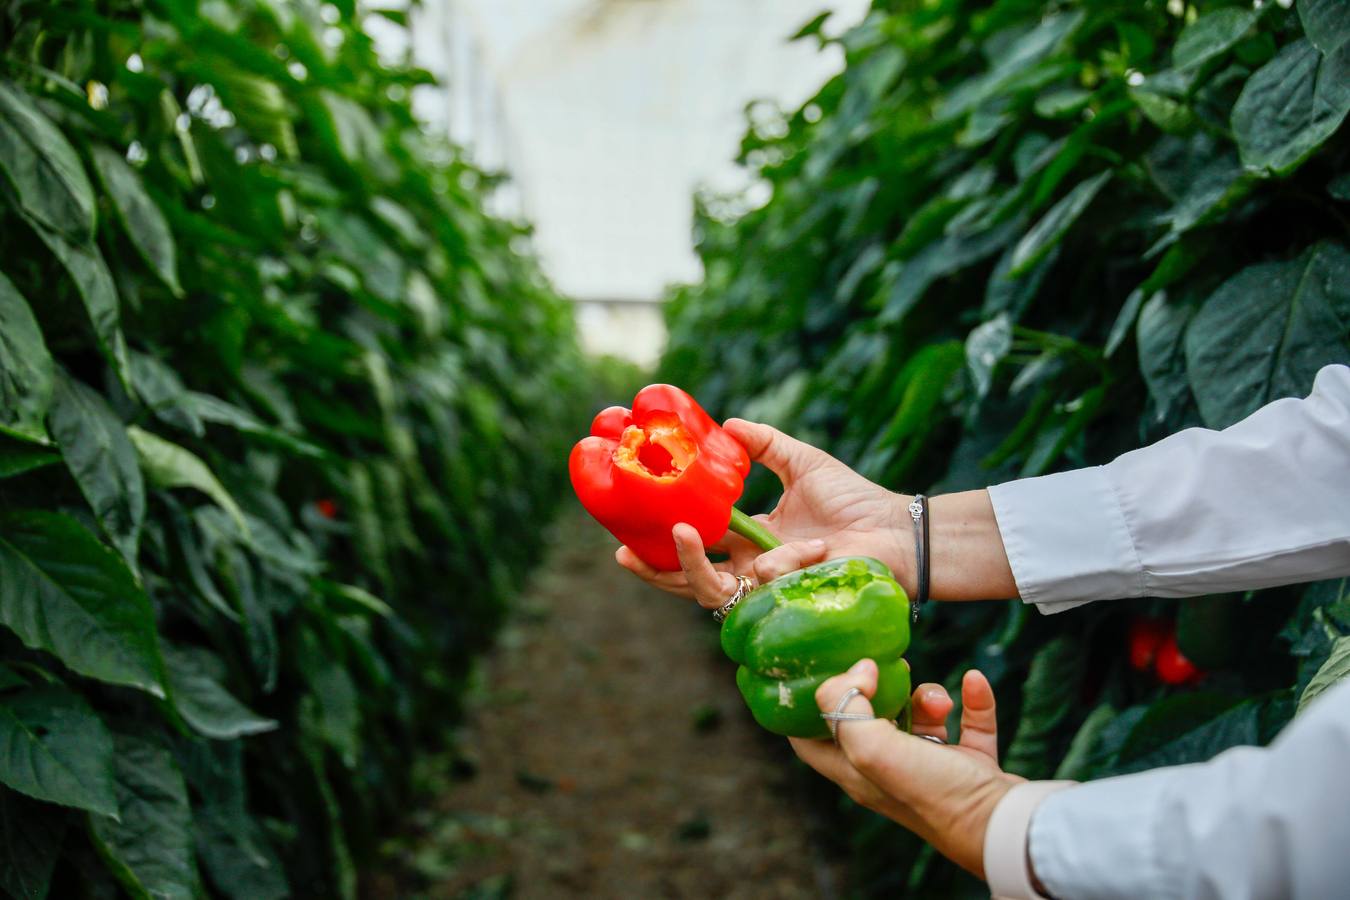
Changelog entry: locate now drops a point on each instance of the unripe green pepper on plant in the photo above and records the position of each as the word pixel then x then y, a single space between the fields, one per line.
pixel 796 631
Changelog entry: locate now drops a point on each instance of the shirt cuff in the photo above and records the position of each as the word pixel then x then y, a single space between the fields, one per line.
pixel 1005 840
pixel 1100 839
pixel 1067 539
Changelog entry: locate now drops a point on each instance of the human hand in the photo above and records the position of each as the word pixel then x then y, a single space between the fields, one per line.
pixel 944 794
pixel 827 510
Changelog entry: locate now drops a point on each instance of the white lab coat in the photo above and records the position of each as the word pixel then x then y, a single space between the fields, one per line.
pixel 1262 503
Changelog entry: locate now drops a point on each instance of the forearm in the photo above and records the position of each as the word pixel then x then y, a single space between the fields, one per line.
pixel 967 560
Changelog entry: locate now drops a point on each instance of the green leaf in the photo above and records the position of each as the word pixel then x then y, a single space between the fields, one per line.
pixel 230 841
pixel 1052 227
pixel 220 412
pixel 1047 697
pixel 54 748
pixel 1160 334
pixel 168 466
pixel 1163 111
pixel 985 348
pixel 1267 330
pixel 1332 671
pixel 1190 728
pixel 45 176
pixel 101 459
pixel 150 850
pixel 86 268
pixel 16 459
pixel 141 218
pixel 1339 187
pixel 1077 762
pixel 68 594
pixel 1291 106
pixel 32 834
pixel 1212 35
pixel 162 391
pixel 1326 23
pixel 1125 319
pixel 194 677
pixel 26 368
pixel 1062 102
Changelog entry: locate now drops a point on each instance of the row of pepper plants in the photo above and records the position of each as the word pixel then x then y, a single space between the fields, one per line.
pixel 1020 236
pixel 276 395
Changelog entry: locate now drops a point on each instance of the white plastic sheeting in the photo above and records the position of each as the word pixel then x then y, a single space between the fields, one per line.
pixel 609 114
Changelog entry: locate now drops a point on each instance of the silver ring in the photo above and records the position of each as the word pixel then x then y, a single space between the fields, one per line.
pixel 834 718
pixel 743 586
pixel 932 737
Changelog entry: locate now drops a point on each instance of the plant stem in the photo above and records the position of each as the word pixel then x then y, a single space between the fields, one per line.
pixel 752 531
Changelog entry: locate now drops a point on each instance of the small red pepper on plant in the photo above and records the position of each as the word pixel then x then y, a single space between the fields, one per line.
pixel 645 470
pixel 1146 636
pixel 1171 666
pixel 327 508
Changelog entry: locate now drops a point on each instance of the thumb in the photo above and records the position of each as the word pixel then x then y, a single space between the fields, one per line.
pixel 788 558
pixel 785 456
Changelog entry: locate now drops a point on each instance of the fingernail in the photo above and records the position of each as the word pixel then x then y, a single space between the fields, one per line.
pixel 816 544
pixel 859 667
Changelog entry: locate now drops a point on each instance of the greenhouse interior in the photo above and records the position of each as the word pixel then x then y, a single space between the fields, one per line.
pixel 674 448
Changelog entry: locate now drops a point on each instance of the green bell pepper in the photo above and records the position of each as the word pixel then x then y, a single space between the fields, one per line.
pixel 796 631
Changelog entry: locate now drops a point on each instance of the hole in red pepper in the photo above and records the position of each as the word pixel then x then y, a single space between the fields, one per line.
pixel 656 459
pixel 659 449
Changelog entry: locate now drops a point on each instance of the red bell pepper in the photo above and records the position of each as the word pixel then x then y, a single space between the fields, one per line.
pixel 643 471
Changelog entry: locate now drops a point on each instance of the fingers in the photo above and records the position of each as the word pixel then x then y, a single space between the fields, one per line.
pixel 979 719
pixel 786 457
pixel 710 587
pixel 788 558
pixel 673 582
pixel 932 704
pixel 857 739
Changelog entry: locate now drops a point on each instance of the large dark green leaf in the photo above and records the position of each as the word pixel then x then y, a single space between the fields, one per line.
pixel 1267 330
pixel 1326 23
pixel 194 676
pixel 150 848
pixel 30 842
pixel 1212 34
pixel 1291 105
pixel 54 748
pixel 144 223
pixel 1047 698
pixel 26 368
pixel 102 460
pixel 86 268
pixel 44 173
pixel 67 593
pixel 1180 730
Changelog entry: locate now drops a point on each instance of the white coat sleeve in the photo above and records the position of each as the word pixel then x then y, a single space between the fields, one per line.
pixel 1251 823
pixel 1261 503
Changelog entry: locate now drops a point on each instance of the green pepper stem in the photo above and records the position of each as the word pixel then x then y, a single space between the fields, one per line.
pixel 752 531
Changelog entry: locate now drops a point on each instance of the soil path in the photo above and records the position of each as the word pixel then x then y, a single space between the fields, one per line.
pixel 607 753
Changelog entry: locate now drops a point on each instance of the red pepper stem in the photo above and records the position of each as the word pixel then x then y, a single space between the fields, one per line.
pixel 752 531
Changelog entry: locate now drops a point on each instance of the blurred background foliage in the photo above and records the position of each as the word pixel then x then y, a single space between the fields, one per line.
pixel 282 411
pixel 1022 236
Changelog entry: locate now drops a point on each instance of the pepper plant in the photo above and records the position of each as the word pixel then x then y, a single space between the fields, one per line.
pixel 275 395
pixel 1013 237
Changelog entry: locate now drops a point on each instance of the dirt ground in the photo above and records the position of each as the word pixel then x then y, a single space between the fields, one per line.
pixel 607 753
